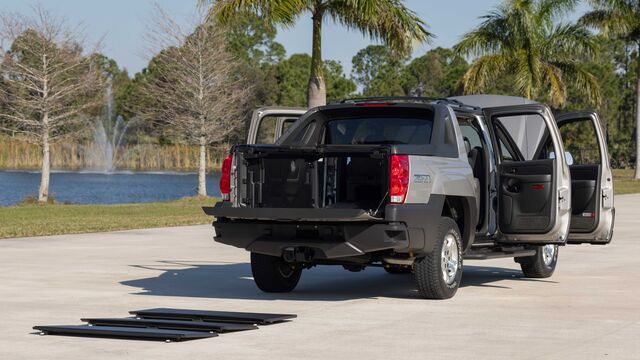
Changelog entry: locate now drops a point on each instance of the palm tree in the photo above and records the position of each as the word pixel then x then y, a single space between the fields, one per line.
pixel 523 40
pixel 387 20
pixel 620 19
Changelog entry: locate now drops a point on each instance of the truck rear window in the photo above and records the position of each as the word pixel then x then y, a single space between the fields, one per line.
pixel 378 130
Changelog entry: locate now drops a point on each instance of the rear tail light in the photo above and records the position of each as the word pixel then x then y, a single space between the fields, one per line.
pixel 399 178
pixel 225 178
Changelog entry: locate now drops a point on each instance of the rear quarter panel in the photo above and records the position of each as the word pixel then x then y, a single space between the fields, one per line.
pixel 439 175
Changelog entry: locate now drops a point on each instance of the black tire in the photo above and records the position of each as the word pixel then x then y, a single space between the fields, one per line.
pixel 397 269
pixel 429 271
pixel 540 265
pixel 273 274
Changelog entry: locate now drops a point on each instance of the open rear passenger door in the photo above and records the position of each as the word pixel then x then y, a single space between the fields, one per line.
pixel 269 123
pixel 533 193
pixel 593 211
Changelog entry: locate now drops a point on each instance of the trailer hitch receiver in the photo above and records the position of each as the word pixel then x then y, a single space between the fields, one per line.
pixel 298 254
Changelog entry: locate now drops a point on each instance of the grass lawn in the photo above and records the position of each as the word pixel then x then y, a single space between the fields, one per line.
pixel 623 182
pixel 36 220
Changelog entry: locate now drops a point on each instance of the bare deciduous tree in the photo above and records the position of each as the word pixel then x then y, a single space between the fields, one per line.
pixel 196 91
pixel 49 83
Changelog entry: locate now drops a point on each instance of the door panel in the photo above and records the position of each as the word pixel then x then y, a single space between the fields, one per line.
pixel 592 205
pixel 526 196
pixel 269 123
pixel 584 181
pixel 533 194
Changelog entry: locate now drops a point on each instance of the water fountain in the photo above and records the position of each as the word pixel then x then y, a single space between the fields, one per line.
pixel 108 135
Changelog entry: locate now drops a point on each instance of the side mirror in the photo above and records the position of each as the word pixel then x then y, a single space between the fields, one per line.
pixel 567 156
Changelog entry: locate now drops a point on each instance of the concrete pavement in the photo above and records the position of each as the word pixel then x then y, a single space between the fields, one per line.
pixel 588 310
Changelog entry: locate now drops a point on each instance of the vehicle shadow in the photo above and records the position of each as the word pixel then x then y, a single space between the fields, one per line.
pixel 325 283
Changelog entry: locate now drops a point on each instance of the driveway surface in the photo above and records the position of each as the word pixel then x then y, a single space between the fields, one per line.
pixel 590 308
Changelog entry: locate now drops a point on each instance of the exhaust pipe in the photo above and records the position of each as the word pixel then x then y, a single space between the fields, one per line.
pixel 399 261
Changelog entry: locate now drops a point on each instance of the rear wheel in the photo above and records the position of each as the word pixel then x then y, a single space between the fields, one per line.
pixel 542 264
pixel 439 273
pixel 273 274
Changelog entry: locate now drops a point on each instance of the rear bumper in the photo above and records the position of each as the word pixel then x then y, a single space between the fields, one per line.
pixel 329 233
pixel 326 240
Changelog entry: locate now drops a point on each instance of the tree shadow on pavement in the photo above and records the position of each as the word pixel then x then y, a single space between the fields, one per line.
pixel 322 283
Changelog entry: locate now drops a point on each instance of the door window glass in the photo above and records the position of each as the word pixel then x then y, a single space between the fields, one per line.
pixel 506 146
pixel 527 132
pixel 303 136
pixel 287 124
pixel 267 130
pixel 379 130
pixel 505 153
pixel 581 141
pixel 470 134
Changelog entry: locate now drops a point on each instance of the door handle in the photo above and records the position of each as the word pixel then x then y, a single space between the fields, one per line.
pixel 512 186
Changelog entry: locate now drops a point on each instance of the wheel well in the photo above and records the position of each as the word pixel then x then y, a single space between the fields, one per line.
pixel 457 208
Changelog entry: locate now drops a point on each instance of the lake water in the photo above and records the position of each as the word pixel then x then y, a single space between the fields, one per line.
pixel 100 188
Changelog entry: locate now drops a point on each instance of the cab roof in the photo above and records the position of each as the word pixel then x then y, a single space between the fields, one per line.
pixel 467 102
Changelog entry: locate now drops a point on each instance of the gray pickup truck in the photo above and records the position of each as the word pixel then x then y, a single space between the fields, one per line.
pixel 415 185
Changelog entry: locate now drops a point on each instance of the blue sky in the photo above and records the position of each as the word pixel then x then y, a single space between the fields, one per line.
pixel 123 24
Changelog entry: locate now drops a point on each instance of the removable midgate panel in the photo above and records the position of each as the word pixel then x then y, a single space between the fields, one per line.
pixel 354 181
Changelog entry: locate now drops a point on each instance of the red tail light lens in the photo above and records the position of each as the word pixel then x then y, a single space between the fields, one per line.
pixel 225 178
pixel 399 178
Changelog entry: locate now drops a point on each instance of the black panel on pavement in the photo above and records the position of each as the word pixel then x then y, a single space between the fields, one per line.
pixel 220 316
pixel 170 324
pixel 126 332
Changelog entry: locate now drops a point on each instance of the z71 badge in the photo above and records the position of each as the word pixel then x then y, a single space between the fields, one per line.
pixel 421 179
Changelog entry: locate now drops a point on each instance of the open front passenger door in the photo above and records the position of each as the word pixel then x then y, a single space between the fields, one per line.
pixel 269 123
pixel 533 193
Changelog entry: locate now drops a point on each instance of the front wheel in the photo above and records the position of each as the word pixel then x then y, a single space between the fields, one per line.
pixel 273 274
pixel 439 273
pixel 542 264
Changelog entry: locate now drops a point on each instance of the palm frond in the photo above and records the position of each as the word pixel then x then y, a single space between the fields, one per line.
pixel 567 40
pixel 553 9
pixel 388 20
pixel 492 35
pixel 532 48
pixel 584 81
pixel 628 6
pixel 484 71
pixel 611 23
pixel 526 72
pixel 552 76
pixel 284 12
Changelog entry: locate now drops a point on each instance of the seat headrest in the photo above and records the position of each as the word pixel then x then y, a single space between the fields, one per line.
pixel 467 144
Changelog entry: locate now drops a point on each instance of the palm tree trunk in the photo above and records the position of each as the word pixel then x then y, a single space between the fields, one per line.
pixel 637 174
pixel 43 193
pixel 202 168
pixel 316 90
